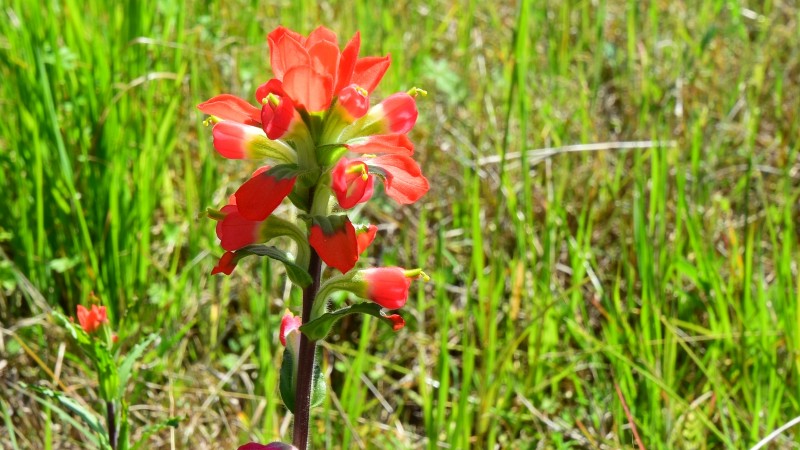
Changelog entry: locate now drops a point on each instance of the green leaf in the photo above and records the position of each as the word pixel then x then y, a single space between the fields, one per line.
pixel 150 430
pixel 95 434
pixel 284 171
pixel 287 380
pixel 127 364
pixel 321 326
pixel 90 418
pixel 62 265
pixel 297 274
pixel 318 386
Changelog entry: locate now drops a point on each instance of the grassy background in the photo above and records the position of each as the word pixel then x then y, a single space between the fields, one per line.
pixel 662 274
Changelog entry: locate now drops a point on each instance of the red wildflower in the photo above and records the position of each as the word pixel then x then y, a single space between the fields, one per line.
pixel 313 69
pixel 397 113
pixel 355 101
pixel 334 239
pixel 261 194
pixel 91 319
pixel 351 182
pixel 387 286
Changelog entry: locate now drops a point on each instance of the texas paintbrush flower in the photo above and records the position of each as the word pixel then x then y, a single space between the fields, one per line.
pixel 91 319
pixel 320 140
pixel 387 286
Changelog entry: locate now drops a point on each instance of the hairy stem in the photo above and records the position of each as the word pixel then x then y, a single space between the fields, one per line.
pixel 305 370
pixel 112 426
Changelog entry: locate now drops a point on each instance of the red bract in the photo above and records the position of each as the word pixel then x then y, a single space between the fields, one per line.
pixel 235 140
pixel 382 144
pixel 404 182
pixel 289 323
pixel 313 70
pixel 365 236
pixel 231 107
pixel 398 113
pixel 338 247
pixel 397 322
pixel 226 264
pixel 234 231
pixel 352 183
pixel 91 319
pixel 261 194
pixel 387 286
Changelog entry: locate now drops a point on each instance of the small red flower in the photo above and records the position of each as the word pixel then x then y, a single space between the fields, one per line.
pixel 277 113
pixel 352 183
pixel 261 194
pixel 397 113
pixel 336 244
pixel 91 319
pixel 387 286
pixel 289 323
pixel 355 100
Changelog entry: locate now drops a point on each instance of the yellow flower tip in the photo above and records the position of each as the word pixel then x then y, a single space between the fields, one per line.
pixel 272 99
pixel 417 274
pixel 212 120
pixel 362 91
pixel 415 91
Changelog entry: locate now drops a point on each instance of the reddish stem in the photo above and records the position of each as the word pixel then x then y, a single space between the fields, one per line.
pixel 305 368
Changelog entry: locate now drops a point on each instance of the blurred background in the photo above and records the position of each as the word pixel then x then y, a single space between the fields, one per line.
pixel 612 223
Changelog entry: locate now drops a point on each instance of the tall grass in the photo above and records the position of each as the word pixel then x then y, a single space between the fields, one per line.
pixel 666 269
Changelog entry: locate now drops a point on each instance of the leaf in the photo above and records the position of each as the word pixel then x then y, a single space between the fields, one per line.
pixel 62 265
pixel 127 364
pixel 90 418
pixel 297 274
pixel 287 380
pixel 285 171
pixel 321 326
pixel 318 386
pixel 151 429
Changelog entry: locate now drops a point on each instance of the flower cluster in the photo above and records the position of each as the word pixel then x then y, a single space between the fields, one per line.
pixel 322 144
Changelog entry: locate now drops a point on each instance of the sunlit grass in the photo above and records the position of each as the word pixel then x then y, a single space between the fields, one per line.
pixel 666 268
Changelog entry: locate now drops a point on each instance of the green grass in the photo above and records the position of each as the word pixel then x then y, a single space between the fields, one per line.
pixel 669 271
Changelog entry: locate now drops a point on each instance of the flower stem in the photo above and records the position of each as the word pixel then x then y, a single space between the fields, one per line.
pixel 112 427
pixel 305 369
